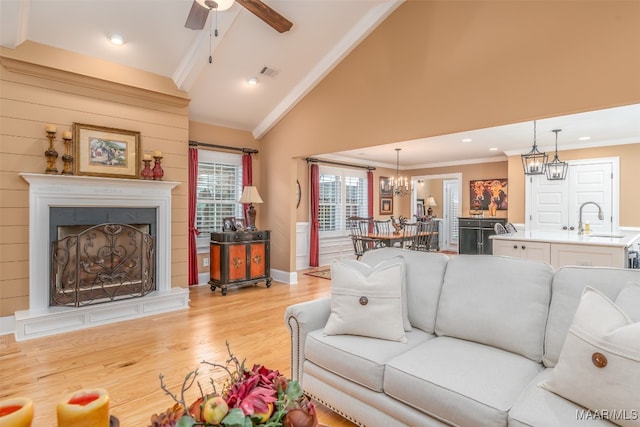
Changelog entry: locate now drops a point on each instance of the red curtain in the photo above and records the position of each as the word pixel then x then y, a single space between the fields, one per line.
pixel 314 241
pixel 193 231
pixel 247 179
pixel 370 198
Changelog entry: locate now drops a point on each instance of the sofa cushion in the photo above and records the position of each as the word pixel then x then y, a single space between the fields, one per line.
pixel 358 359
pixel 459 382
pixel 367 270
pixel 497 301
pixel 425 272
pixel 599 365
pixel 568 285
pixel 628 300
pixel 539 407
pixel 368 305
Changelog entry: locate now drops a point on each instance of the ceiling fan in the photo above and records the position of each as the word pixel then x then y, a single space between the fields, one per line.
pixel 199 13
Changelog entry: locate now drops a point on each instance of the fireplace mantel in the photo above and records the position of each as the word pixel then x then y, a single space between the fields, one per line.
pixel 47 191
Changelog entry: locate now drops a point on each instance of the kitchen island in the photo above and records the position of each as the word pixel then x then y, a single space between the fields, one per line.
pixel 560 248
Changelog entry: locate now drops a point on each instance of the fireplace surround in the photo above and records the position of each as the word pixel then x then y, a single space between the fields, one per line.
pixel 59 191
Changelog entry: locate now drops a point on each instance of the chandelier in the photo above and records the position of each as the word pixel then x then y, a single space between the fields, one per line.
pixel 534 162
pixel 556 170
pixel 401 185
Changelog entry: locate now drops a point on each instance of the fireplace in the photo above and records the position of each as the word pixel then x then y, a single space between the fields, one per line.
pixel 52 196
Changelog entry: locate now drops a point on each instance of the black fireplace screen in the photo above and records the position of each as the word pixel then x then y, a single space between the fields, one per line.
pixel 103 263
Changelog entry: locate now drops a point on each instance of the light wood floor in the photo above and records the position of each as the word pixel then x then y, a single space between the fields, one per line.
pixel 127 357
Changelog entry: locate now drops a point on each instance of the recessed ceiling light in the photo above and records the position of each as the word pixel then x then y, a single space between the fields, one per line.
pixel 116 39
pixel 584 138
pixel 467 140
pixel 252 81
pixel 493 149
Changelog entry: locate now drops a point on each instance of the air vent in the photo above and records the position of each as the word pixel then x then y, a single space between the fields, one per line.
pixel 269 72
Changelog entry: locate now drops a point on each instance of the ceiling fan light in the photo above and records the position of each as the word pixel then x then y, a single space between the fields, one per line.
pixel 224 4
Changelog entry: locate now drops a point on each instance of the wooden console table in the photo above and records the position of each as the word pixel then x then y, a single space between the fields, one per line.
pixel 239 259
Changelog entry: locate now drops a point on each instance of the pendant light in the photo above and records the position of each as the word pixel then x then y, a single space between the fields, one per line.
pixel 534 161
pixel 401 186
pixel 557 170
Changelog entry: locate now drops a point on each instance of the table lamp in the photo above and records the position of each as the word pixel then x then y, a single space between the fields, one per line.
pixel 250 195
pixel 431 202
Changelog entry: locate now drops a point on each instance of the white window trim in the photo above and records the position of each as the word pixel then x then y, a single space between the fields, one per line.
pixel 343 172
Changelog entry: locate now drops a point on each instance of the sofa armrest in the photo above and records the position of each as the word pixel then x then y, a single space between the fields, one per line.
pixel 301 319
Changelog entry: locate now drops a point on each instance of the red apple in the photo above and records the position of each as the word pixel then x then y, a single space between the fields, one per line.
pixel 214 410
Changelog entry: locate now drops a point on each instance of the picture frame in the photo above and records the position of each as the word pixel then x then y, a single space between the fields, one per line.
pixel 386 205
pixel 239 224
pixel 385 187
pixel 228 223
pixel 420 212
pixel 105 151
pixel 487 191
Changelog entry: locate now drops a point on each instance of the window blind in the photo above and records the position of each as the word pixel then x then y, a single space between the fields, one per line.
pixel 343 193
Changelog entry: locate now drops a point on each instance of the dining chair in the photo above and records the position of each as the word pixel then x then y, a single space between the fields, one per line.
pixel 423 237
pixel 499 229
pixel 358 230
pixel 409 231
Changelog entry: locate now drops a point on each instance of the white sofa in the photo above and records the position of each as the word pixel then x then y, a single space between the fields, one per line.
pixel 486 331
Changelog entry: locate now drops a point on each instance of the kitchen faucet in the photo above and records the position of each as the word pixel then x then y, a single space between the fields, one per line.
pixel 600 215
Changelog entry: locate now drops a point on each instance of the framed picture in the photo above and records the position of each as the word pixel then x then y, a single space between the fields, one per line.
pixel 420 207
pixel 386 205
pixel 487 191
pixel 385 187
pixel 102 151
pixel 239 224
pixel 228 223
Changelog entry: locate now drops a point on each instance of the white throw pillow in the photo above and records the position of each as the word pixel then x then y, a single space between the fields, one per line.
pixel 367 305
pixel 628 300
pixel 599 364
pixel 366 270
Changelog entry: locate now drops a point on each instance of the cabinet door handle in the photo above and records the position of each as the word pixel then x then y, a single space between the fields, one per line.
pixel 515 246
pixel 565 227
pixel 524 247
pixel 572 228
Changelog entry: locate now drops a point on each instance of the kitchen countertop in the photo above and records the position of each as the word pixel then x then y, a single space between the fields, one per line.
pixel 626 239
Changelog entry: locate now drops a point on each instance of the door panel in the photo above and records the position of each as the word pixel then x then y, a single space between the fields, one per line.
pixel 591 184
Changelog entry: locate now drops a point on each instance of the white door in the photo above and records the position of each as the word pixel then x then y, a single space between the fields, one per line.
pixel 555 205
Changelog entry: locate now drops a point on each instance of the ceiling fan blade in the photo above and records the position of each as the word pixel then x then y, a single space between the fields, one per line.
pixel 197 16
pixel 268 15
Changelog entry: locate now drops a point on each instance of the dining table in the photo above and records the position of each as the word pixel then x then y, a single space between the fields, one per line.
pixel 390 239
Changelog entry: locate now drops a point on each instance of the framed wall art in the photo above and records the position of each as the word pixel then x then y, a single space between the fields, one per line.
pixel 103 151
pixel 386 205
pixel 488 192
pixel 385 187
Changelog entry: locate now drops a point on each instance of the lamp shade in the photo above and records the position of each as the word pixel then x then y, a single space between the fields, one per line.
pixel 431 201
pixel 250 195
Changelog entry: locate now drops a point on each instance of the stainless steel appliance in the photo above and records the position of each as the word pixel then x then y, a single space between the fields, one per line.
pixel 474 234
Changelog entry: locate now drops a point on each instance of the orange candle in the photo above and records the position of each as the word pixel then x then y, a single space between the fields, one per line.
pixel 16 412
pixel 84 408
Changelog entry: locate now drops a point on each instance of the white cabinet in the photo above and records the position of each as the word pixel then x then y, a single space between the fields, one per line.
pixel 537 251
pixel 587 255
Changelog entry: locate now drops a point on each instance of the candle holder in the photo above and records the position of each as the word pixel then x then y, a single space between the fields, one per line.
pixel 158 173
pixel 147 172
pixel 67 158
pixel 51 155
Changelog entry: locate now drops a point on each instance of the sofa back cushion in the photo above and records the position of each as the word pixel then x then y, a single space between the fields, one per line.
pixel 424 275
pixel 568 286
pixel 497 301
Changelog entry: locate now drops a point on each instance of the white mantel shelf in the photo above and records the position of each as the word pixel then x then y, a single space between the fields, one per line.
pixel 46 191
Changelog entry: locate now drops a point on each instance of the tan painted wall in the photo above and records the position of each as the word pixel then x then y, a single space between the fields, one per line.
pixel 32 96
pixel 435 67
pixel 210 134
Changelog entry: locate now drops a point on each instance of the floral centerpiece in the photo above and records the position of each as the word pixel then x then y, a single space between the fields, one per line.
pixel 249 397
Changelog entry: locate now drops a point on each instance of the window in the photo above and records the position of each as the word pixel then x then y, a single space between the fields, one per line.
pixel 343 193
pixel 219 189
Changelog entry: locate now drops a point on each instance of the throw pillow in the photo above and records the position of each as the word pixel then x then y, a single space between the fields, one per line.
pixel 599 364
pixel 366 270
pixel 629 300
pixel 367 305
